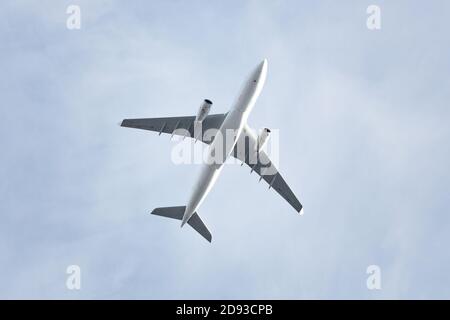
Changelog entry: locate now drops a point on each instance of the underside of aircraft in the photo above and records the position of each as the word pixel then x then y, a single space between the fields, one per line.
pixel 245 145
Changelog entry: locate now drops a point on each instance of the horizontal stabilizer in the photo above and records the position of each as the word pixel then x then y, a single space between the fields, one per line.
pixel 177 213
pixel 170 212
pixel 198 225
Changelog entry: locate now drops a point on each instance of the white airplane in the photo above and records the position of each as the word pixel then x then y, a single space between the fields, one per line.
pixel 251 153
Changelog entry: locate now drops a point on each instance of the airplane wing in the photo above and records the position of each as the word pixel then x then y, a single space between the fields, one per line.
pixel 181 126
pixel 260 163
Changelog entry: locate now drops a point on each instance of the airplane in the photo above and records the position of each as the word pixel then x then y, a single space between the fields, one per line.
pixel 235 120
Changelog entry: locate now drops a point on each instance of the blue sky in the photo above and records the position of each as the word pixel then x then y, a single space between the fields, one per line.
pixel 363 118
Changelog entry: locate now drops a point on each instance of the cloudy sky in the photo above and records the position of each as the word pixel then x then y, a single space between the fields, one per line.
pixel 364 143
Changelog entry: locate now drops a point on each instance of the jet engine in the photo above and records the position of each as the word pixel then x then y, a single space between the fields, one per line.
pixel 203 111
pixel 262 138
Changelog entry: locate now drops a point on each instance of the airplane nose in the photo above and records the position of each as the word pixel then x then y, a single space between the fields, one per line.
pixel 259 74
pixel 262 70
pixel 263 65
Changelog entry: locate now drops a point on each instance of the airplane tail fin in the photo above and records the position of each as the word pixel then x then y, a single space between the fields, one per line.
pixel 177 213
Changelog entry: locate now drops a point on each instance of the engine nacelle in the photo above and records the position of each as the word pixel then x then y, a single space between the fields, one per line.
pixel 203 111
pixel 262 138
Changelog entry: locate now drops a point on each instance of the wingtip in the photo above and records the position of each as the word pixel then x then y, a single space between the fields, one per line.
pixel 301 211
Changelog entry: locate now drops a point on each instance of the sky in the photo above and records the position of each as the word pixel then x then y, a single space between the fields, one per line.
pixel 363 128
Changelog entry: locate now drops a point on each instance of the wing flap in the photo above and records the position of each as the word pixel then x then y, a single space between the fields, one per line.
pixel 161 125
pixel 260 163
pixel 180 126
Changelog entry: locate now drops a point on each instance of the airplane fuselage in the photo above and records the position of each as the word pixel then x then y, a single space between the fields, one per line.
pixel 226 138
